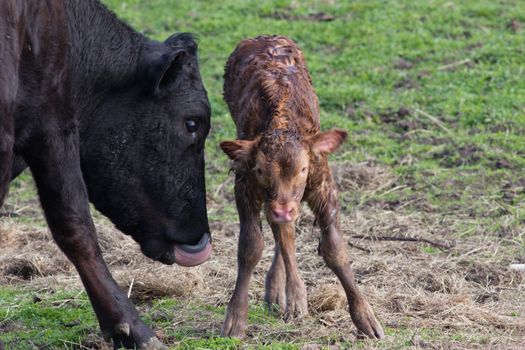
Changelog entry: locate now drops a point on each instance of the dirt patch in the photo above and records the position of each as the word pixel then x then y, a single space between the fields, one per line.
pixel 515 26
pixel 363 177
pixel 451 156
pixel 403 63
pixel 287 15
pixel 21 268
pixel 474 46
pixel 512 189
pixel 144 286
pixel 502 164
pixel 328 297
pixel 406 84
pixel 402 123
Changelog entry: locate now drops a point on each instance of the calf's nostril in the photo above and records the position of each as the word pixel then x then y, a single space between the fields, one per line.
pixel 284 213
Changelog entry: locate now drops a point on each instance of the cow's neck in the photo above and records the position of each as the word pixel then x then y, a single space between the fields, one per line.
pixel 104 53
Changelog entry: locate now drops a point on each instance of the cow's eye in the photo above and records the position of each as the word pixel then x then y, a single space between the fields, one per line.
pixel 192 125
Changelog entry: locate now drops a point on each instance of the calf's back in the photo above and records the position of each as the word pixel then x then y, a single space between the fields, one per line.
pixel 267 86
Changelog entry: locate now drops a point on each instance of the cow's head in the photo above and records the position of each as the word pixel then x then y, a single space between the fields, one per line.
pixel 280 161
pixel 143 154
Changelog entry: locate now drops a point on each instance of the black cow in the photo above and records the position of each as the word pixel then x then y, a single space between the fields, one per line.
pixel 87 102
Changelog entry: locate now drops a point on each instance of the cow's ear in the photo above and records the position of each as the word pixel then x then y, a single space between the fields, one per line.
pixel 328 141
pixel 160 68
pixel 165 61
pixel 239 150
pixel 186 41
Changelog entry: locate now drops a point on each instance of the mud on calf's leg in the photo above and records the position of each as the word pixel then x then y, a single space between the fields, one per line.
pixel 333 248
pixel 54 162
pixel 249 253
pixel 296 296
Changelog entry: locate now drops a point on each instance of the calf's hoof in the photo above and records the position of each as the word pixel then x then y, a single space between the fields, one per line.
pixel 365 321
pixel 296 302
pixel 234 325
pixel 275 297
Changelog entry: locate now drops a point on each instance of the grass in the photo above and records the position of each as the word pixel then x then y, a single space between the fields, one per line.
pixel 31 319
pixel 433 96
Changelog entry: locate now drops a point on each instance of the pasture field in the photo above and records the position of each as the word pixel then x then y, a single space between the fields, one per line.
pixel 433 96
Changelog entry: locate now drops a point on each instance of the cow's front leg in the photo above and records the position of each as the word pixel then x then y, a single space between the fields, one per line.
pixel 333 248
pixel 54 161
pixel 275 286
pixel 8 90
pixel 296 296
pixel 6 149
pixel 249 253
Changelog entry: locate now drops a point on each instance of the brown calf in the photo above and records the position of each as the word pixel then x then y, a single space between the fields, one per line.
pixel 280 159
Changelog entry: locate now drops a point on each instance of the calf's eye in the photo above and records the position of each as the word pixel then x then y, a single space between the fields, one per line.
pixel 303 170
pixel 192 125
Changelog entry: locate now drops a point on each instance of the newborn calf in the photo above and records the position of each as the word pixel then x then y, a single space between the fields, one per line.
pixel 280 159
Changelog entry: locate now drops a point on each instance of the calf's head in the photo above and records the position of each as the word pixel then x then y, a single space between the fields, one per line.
pixel 281 162
pixel 143 155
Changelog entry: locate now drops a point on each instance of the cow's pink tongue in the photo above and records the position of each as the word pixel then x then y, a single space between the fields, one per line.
pixel 193 255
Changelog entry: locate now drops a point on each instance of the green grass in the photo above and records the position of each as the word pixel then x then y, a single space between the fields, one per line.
pixel 30 318
pixel 434 90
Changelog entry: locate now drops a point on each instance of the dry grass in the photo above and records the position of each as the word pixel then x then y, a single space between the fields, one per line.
pixel 464 298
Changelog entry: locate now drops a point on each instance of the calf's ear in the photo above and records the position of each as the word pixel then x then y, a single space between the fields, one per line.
pixel 238 150
pixel 328 141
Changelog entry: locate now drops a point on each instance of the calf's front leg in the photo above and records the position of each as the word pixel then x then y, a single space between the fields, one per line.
pixel 249 253
pixel 323 201
pixel 296 296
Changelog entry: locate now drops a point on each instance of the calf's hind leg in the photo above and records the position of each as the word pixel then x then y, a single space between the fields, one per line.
pixel 323 201
pixel 275 286
pixel 296 296
pixel 249 253
pixel 53 158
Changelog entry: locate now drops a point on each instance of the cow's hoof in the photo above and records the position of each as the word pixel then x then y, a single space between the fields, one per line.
pixel 153 344
pixel 135 336
pixel 365 321
pixel 234 325
pixel 130 343
pixel 296 302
